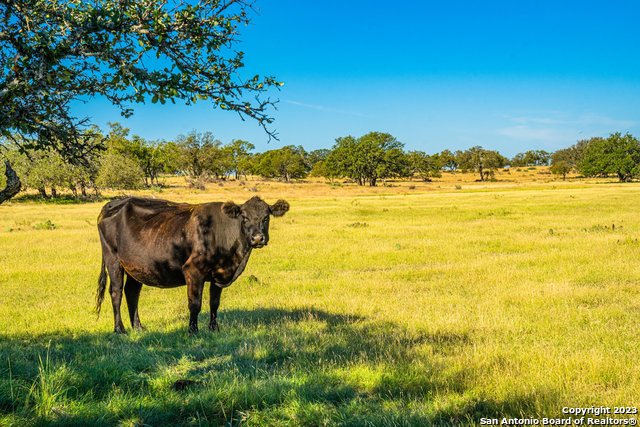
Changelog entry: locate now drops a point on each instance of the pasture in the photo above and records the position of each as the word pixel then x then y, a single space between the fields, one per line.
pixel 387 306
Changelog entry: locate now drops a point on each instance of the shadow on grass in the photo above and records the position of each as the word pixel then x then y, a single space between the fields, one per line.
pixel 266 366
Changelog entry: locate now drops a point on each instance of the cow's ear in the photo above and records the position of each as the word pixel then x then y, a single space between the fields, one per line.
pixel 231 209
pixel 279 208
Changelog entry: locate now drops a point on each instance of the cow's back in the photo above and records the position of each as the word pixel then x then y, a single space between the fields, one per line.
pixel 149 206
pixel 151 238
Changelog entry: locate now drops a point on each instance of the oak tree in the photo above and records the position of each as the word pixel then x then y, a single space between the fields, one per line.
pixel 617 155
pixel 57 53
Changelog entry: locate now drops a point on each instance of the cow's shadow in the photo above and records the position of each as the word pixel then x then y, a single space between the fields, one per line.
pixel 302 361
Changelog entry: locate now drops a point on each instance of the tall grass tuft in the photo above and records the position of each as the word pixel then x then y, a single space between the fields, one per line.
pixel 47 394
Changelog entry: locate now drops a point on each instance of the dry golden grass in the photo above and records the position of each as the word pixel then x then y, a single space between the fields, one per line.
pixel 514 178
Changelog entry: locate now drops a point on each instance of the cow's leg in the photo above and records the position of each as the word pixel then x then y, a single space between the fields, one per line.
pixel 132 292
pixel 215 292
pixel 116 274
pixel 195 285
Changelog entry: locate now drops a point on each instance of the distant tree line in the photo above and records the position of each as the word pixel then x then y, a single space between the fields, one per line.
pixel 618 155
pixel 131 162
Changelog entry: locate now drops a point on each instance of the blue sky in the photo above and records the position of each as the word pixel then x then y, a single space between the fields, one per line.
pixel 507 75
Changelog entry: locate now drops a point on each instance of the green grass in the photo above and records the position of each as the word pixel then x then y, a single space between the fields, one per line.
pixel 410 309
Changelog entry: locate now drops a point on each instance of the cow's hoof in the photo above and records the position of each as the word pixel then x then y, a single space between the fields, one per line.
pixel 193 331
pixel 214 327
pixel 139 328
pixel 120 331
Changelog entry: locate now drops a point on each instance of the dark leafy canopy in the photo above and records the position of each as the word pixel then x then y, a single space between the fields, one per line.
pixel 448 160
pixel 319 155
pixel 373 156
pixel 239 152
pixel 53 53
pixel 42 170
pixel 286 163
pixel 200 153
pixel 424 165
pixel 561 163
pixel 567 159
pixel 152 157
pixel 480 160
pixel 531 158
pixel 616 155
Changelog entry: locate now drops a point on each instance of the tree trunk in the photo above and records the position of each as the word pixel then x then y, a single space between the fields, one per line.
pixel 54 192
pixel 624 177
pixel 43 192
pixel 481 173
pixel 13 183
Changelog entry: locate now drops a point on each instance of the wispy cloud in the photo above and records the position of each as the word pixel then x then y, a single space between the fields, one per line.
pixel 597 120
pixel 327 109
pixel 536 120
pixel 544 135
pixel 554 127
pixel 557 118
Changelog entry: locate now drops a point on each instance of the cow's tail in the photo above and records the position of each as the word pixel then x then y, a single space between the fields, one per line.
pixel 102 284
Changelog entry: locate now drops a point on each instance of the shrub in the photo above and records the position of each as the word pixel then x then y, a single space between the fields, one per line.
pixel 45 225
pixel 118 171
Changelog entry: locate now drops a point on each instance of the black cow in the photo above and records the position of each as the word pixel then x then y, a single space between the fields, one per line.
pixel 165 244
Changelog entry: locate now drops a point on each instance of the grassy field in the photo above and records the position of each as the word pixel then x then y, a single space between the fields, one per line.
pixel 396 305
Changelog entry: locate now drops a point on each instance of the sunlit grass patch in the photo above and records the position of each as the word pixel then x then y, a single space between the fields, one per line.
pixel 445 307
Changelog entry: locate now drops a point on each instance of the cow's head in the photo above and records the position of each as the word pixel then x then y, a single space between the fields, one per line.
pixel 254 214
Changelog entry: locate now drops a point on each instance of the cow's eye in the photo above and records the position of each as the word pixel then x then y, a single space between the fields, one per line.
pixel 265 220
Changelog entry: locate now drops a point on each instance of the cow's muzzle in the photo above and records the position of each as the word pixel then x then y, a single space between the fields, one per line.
pixel 258 240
